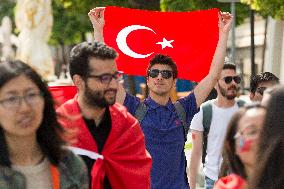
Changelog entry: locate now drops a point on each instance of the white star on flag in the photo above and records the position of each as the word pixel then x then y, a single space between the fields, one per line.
pixel 165 43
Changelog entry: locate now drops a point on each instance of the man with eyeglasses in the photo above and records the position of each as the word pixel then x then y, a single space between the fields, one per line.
pixel 108 138
pixel 164 128
pixel 209 126
pixel 259 83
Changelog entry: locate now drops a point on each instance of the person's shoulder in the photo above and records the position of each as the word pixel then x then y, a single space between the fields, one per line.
pixel 208 103
pixel 68 107
pixel 119 109
pixel 121 115
pixel 73 169
pixel 72 163
pixel 10 178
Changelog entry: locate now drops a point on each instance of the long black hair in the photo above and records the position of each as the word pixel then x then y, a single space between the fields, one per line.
pixel 269 173
pixel 50 131
pixel 231 161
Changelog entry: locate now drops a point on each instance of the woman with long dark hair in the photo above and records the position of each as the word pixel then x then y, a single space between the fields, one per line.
pixel 269 172
pixel 32 152
pixel 240 147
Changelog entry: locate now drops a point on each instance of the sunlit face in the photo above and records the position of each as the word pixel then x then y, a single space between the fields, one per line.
pixel 97 93
pixel 247 136
pixel 159 85
pixel 227 90
pixel 258 95
pixel 21 107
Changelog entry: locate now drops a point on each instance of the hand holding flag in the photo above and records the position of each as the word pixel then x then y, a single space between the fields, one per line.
pixel 96 16
pixel 192 48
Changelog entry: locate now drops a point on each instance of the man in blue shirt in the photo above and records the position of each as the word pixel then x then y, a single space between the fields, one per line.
pixel 162 127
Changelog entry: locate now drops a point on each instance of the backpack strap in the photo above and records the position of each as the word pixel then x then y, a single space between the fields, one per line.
pixel 182 116
pixel 207 118
pixel 141 111
pixel 240 103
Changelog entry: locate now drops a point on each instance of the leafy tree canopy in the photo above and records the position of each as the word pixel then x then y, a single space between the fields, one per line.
pixel 274 8
pixel 190 5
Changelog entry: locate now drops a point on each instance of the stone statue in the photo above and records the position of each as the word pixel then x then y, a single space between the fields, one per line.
pixel 34 21
pixel 6 36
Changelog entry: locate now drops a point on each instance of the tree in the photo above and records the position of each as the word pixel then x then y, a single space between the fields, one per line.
pixel 190 5
pixel 142 4
pixel 6 9
pixel 274 8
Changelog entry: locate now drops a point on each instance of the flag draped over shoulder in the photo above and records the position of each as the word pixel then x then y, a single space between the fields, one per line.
pixel 189 38
pixel 124 159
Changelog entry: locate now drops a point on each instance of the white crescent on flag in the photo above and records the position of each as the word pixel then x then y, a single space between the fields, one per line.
pixel 122 44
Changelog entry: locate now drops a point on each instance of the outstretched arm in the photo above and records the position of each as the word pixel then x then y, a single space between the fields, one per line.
pixel 203 89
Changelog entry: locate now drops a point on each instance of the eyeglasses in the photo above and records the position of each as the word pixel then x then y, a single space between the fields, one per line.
pixel 14 102
pixel 260 90
pixel 249 133
pixel 106 78
pixel 166 74
pixel 229 79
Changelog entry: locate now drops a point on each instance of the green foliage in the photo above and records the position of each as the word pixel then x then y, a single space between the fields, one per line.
pixel 6 9
pixel 190 5
pixel 71 19
pixel 274 8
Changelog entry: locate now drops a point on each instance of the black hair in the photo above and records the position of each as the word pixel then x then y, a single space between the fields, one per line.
pixel 270 168
pixel 81 54
pixel 260 78
pixel 229 65
pixel 164 60
pixel 231 161
pixel 49 132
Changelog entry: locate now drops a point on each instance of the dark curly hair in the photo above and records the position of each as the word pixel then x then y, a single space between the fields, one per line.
pixel 164 60
pixel 229 66
pixel 81 54
pixel 262 77
pixel 269 172
pixel 50 131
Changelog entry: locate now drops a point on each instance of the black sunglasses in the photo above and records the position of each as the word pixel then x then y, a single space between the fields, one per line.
pixel 229 79
pixel 260 90
pixel 166 74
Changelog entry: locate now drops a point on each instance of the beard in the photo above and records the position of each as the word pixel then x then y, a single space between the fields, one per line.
pixel 97 99
pixel 225 94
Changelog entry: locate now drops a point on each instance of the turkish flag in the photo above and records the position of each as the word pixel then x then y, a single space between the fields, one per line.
pixel 189 38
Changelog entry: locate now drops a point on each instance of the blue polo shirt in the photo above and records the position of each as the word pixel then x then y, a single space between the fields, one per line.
pixel 164 137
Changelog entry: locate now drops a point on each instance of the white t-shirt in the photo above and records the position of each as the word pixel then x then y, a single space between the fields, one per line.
pixel 216 136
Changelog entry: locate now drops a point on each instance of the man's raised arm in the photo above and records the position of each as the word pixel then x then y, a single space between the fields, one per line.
pixel 203 89
pixel 96 16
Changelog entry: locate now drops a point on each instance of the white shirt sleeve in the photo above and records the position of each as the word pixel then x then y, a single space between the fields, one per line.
pixel 196 123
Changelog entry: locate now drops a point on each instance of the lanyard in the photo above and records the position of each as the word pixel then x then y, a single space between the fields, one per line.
pixel 55 177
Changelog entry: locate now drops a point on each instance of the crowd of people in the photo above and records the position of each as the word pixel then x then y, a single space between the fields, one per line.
pixel 105 138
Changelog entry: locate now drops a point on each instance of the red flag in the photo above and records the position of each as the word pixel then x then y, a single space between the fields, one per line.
pixel 61 94
pixel 189 38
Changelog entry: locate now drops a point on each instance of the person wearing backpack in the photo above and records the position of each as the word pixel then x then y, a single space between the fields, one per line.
pixel 209 126
pixel 164 123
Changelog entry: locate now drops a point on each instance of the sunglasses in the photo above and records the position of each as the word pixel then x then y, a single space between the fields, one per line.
pixel 166 74
pixel 260 90
pixel 229 79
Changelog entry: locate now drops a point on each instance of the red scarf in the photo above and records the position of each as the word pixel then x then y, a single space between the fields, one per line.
pixel 125 161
